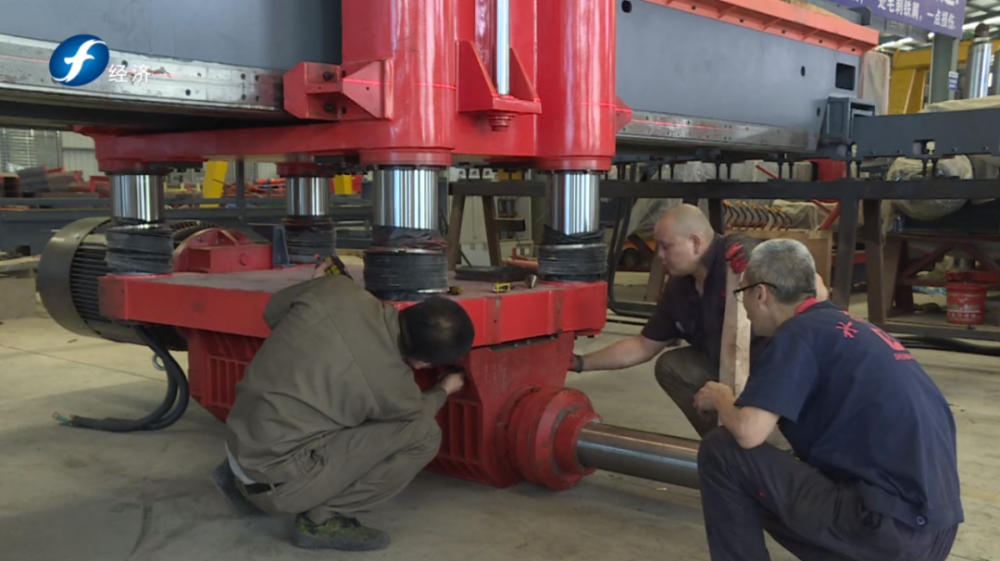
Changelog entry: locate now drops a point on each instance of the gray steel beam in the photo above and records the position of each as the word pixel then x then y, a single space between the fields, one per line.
pixel 727 72
pixel 952 132
pixel 173 87
pixel 252 33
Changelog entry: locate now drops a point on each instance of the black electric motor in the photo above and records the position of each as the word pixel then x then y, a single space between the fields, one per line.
pixel 70 265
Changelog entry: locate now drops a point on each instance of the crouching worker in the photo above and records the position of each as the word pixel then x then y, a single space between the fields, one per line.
pixel 876 475
pixel 328 420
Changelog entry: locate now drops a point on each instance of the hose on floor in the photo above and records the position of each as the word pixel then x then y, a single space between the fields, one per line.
pixel 174 404
pixel 950 345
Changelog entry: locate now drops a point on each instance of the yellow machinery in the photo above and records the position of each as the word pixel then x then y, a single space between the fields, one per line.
pixel 908 82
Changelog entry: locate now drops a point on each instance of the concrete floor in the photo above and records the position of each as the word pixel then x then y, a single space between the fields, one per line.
pixel 77 495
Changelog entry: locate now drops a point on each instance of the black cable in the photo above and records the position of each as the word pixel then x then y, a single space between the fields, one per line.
pixel 405 276
pixel 175 372
pixel 163 416
pixel 626 322
pixel 572 258
pixel 948 345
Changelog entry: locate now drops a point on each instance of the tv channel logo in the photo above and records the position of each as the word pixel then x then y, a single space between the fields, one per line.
pixel 79 60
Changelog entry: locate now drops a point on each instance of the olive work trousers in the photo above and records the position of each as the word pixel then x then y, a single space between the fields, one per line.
pixel 355 469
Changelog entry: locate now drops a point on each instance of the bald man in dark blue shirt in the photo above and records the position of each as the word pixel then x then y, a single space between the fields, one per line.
pixel 876 474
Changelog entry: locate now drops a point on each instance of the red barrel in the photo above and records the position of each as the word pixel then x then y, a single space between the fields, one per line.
pixel 966 302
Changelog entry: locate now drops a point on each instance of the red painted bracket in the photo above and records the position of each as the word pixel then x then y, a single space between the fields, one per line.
pixel 331 92
pixel 477 94
pixel 218 250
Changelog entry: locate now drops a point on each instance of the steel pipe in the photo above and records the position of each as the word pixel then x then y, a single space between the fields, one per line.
pixel 503 47
pixel 642 454
pixel 979 65
pixel 574 202
pixel 405 198
pixel 137 197
pixel 307 196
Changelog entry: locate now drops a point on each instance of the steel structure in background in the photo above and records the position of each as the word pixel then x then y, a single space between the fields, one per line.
pixel 28 228
pixel 420 86
pixel 21 149
pixel 980 64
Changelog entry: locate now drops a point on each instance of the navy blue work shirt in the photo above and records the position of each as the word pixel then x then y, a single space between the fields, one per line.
pixel 858 407
pixel 683 313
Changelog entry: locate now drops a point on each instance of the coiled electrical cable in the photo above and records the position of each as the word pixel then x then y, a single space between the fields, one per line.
pixel 405 275
pixel 572 258
pixel 174 404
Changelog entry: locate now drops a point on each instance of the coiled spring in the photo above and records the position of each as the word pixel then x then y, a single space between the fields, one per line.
pixel 741 215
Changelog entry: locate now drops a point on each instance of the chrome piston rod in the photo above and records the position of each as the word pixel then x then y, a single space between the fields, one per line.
pixel 642 454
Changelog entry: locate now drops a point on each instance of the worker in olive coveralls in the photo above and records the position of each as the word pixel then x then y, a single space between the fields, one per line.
pixel 329 419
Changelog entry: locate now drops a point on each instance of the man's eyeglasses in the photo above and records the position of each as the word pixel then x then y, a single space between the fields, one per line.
pixel 738 293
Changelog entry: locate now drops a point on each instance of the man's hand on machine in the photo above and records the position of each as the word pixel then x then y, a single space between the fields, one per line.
pixel 576 363
pixel 452 382
pixel 330 265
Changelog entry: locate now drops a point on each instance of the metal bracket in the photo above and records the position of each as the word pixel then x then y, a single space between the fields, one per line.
pixel 331 92
pixel 477 94
pixel 274 233
pixel 837 134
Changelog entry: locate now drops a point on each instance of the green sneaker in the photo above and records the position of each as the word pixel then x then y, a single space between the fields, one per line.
pixel 339 532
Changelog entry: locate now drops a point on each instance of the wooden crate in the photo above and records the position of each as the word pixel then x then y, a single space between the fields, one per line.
pixel 819 243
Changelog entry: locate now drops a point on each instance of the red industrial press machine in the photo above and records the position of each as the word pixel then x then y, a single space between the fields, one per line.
pixel 421 86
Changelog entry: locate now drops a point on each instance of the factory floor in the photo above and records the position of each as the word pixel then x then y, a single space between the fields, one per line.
pixel 76 495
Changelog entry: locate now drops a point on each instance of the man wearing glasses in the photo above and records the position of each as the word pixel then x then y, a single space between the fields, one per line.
pixel 691 307
pixel 875 475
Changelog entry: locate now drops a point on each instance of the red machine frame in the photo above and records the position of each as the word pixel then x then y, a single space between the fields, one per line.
pixel 416 88
pixel 513 420
pixel 408 93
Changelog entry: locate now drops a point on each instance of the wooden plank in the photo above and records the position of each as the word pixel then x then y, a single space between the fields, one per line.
pixel 734 360
pixel 818 242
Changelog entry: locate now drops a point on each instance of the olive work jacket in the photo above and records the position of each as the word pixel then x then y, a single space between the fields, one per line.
pixel 332 362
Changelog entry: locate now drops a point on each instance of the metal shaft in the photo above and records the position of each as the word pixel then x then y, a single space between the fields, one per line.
pixel 574 202
pixel 137 197
pixel 979 64
pixel 307 196
pixel 405 198
pixel 640 454
pixel 503 47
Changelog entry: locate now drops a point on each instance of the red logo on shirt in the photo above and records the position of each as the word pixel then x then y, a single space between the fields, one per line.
pixel 847 329
pixel 849 332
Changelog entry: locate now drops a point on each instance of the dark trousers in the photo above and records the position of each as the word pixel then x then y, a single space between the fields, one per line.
pixel 745 492
pixel 684 371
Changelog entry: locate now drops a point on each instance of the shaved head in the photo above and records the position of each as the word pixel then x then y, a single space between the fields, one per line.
pixel 686 220
pixel 683 236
